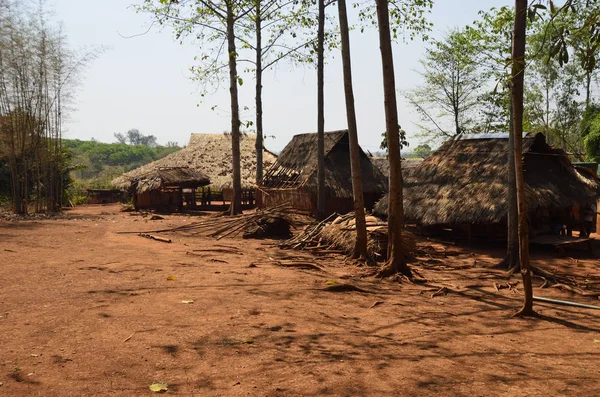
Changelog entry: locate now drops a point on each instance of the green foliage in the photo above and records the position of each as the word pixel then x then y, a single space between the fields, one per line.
pixel 575 29
pixel 408 18
pixel 448 98
pixel 403 141
pixel 588 118
pixel 134 137
pixel 99 163
pixel 590 129
pixel 422 150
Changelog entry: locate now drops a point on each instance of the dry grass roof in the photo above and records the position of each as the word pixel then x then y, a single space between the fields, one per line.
pixel 158 178
pixel 465 181
pixel 383 164
pixel 296 166
pixel 210 154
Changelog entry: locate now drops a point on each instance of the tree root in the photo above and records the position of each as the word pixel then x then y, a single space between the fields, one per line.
pixel 298 265
pixel 387 271
pixel 523 312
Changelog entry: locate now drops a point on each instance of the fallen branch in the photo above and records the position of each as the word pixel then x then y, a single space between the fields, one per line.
pixel 299 265
pixel 575 290
pixel 161 239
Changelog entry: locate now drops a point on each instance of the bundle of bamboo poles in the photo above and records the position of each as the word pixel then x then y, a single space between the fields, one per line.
pixel 231 226
pixel 337 233
pixel 310 236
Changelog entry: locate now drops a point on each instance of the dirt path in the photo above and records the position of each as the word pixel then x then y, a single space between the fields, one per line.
pixel 88 312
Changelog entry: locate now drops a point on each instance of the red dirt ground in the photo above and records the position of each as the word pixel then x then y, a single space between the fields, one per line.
pixel 88 312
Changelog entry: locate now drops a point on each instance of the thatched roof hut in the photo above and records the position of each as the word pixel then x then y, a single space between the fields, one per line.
pixel 158 178
pixel 465 181
pixel 296 169
pixel 210 154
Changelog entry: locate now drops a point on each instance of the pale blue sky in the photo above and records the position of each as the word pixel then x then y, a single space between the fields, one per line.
pixel 143 82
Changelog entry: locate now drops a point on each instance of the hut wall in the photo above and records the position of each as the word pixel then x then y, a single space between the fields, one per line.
pixel 298 199
pixel 165 200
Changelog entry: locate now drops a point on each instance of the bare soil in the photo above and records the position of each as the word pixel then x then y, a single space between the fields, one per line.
pixel 85 311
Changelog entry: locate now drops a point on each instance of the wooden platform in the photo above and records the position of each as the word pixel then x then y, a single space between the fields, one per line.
pixel 560 242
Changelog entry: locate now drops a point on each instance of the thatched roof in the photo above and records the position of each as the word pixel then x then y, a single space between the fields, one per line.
pixel 297 166
pixel 383 164
pixel 210 154
pixel 465 181
pixel 158 178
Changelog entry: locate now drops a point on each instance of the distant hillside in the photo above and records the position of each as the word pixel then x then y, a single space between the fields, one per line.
pixel 97 164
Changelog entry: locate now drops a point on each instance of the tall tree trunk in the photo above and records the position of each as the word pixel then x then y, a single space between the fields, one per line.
pixel 518 69
pixel 321 196
pixel 236 202
pixel 512 253
pixel 547 121
pixel 259 110
pixel 456 123
pixel 360 245
pixel 396 261
pixel 588 85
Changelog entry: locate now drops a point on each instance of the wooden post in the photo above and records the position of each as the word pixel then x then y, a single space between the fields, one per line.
pixel 180 199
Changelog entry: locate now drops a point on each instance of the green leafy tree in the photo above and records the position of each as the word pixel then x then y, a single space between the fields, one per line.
pixel 214 24
pixel 590 130
pixel 518 62
pixel 574 28
pixel 224 31
pixel 135 137
pixel 452 81
pixel 422 150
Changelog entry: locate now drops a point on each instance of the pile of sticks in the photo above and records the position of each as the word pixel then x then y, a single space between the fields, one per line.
pixel 231 226
pixel 310 236
pixel 337 234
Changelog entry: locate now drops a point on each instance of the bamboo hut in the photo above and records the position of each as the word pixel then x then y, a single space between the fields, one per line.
pixel 463 186
pixel 163 188
pixel 210 154
pixel 293 178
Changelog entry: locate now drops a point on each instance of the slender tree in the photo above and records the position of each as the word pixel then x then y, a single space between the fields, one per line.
pixel 279 30
pixel 517 75
pixel 396 261
pixel 512 252
pixel 231 14
pixel 321 194
pixel 258 23
pixel 360 246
